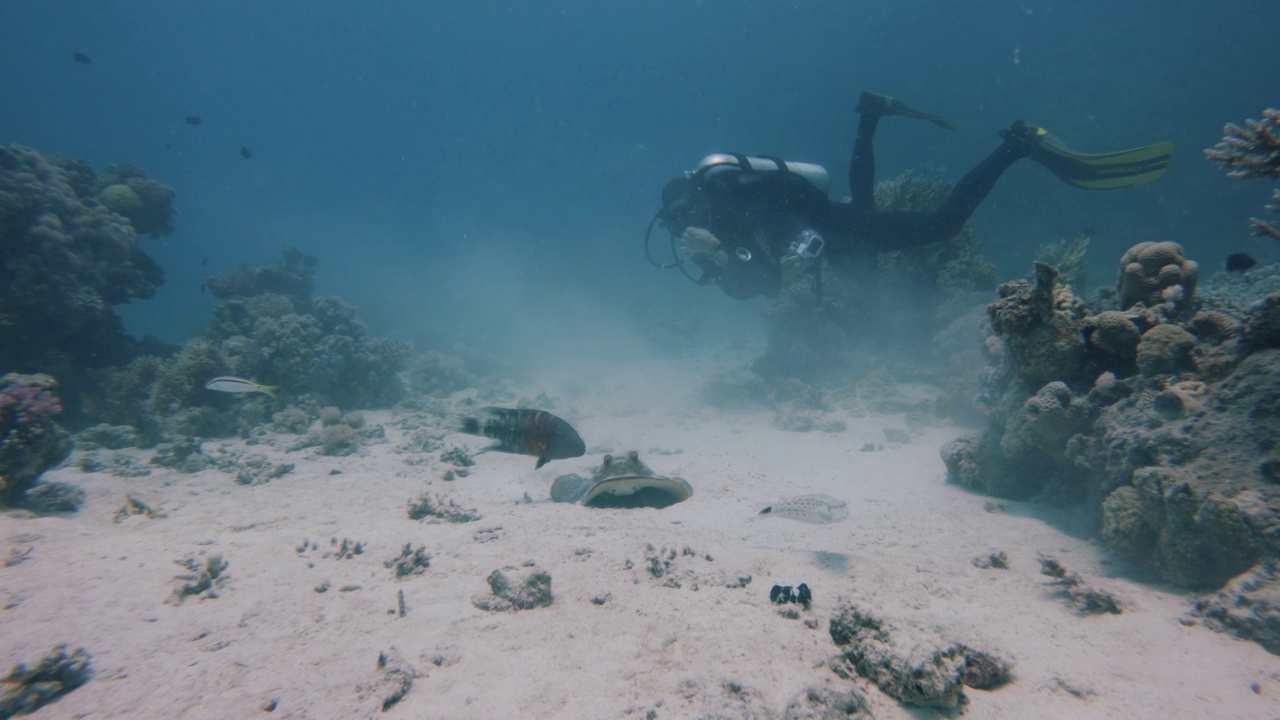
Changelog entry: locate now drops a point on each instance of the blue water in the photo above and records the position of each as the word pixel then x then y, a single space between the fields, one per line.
pixel 478 169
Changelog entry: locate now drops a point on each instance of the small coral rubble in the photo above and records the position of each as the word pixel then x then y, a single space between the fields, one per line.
pixel 908 664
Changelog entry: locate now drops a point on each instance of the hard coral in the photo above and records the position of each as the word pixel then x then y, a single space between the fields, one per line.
pixel 1115 333
pixel 30 441
pixel 1042 329
pixel 1165 349
pixel 1156 272
pixel 63 263
pixel 1045 421
pixel 1262 323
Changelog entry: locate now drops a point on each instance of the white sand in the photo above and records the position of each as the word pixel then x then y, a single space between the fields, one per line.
pixel 905 552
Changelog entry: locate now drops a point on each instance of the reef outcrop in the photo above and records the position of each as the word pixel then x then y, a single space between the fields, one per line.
pixel 269 329
pixel 32 442
pixel 69 252
pixel 1158 406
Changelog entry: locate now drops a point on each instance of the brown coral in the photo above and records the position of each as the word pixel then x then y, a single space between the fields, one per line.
pixel 1156 272
pixel 1213 327
pixel 1115 333
pixel 1262 323
pixel 1165 349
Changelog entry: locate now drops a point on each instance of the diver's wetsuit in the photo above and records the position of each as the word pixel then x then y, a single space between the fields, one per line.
pixel 763 212
pixel 896 230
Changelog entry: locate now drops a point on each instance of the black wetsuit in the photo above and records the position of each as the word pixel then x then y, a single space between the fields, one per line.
pixel 762 212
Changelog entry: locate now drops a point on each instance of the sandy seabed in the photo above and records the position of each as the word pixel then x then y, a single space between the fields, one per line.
pixel 617 642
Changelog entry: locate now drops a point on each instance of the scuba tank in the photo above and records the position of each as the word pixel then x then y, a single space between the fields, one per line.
pixel 729 162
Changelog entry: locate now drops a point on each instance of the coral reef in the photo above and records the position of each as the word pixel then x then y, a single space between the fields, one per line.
pixel 270 329
pixel 1252 151
pixel 1166 421
pixel 32 442
pixel 66 257
pixel 293 278
pixel 126 190
pixel 873 308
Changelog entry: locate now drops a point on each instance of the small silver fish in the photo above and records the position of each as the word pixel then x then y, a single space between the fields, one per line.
pixel 239 385
pixel 816 509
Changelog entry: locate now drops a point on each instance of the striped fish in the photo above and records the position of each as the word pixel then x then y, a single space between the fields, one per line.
pixel 230 384
pixel 526 432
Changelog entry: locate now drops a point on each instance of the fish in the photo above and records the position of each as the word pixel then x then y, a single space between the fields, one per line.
pixel 230 384
pixel 244 152
pixel 193 119
pixel 816 509
pixel 525 432
pixel 1239 262
pixel 81 58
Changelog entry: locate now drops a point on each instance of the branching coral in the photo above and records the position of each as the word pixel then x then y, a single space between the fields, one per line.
pixel 1252 152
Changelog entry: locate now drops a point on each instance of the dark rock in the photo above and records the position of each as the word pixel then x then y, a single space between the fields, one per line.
pixel 1248 607
pixel 54 497
pixel 27 689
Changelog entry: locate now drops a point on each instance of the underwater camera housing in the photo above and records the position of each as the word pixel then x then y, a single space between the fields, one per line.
pixel 809 245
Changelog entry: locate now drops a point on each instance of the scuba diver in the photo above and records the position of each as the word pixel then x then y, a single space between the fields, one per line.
pixel 754 224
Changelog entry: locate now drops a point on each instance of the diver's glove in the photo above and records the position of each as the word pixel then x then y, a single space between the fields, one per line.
pixel 698 241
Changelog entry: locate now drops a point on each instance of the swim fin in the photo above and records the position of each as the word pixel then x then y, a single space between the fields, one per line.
pixel 1101 171
pixel 885 105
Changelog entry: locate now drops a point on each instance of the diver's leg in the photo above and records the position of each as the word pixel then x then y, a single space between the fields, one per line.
pixel 973 188
pixel 902 230
pixel 862 166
